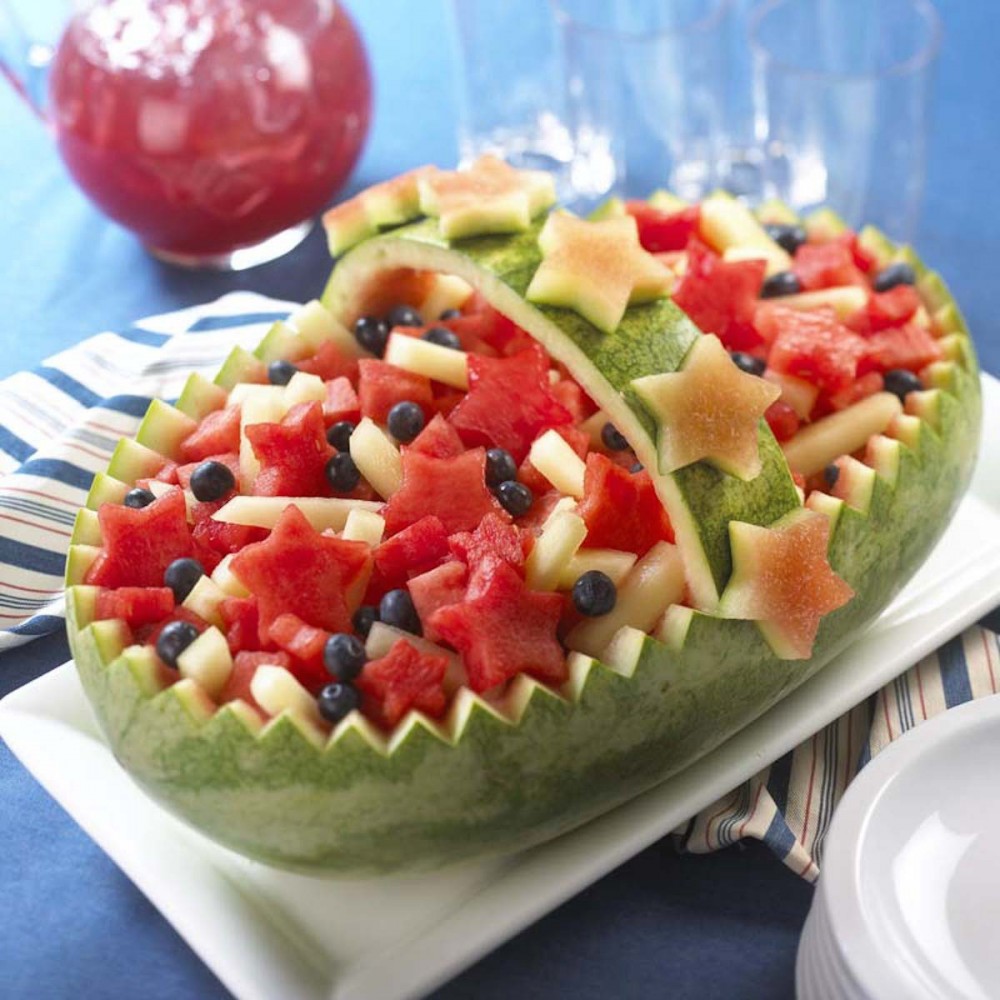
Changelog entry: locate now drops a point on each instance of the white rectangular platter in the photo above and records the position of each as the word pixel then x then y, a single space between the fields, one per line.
pixel 267 933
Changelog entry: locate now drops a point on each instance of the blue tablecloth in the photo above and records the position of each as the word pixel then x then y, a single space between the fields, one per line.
pixel 718 926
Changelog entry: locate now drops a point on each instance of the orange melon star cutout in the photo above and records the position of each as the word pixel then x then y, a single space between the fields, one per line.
pixel 709 410
pixel 782 580
pixel 487 197
pixel 597 269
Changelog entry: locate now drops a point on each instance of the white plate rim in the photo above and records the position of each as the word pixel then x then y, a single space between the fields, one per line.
pixel 531 884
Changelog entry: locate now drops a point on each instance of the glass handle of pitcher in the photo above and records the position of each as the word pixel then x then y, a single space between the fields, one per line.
pixel 23 60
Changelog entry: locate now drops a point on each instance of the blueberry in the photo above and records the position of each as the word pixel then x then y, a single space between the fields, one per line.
pixel 515 497
pixel 831 474
pixel 364 618
pixel 594 593
pixel 403 316
pixel 174 638
pixel 339 435
pixel 636 467
pixel 280 372
pixel 788 237
pixel 371 333
pixel 899 381
pixel 344 656
pixel 138 498
pixel 613 438
pixel 443 338
pixel 212 481
pixel 341 472
pixel 337 701
pixel 396 609
pixel 450 314
pixel 782 283
pixel 181 576
pixel 500 466
pixel 748 363
pixel 899 273
pixel 405 421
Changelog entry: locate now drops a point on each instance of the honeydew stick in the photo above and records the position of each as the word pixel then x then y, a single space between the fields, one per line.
pixel 552 456
pixel 377 458
pixel 817 445
pixel 442 364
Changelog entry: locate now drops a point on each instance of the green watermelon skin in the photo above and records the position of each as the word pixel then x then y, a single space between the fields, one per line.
pixel 485 782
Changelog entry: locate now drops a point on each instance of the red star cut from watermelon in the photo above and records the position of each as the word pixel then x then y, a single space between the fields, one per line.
pixel 404 679
pixel 292 454
pixel 503 629
pixel 782 579
pixel 296 569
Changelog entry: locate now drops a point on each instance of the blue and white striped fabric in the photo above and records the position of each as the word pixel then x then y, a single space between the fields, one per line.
pixel 61 422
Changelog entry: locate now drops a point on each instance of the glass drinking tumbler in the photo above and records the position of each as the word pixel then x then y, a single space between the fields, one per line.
pixel 841 97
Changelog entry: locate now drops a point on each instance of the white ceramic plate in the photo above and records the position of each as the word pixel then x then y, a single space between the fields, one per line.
pixel 910 892
pixel 267 933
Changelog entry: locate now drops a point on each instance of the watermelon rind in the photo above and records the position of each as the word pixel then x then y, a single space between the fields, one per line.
pixel 495 777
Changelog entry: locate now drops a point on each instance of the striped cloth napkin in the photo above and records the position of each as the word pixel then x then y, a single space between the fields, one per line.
pixel 61 422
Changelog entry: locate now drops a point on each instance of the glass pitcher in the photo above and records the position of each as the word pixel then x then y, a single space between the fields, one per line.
pixel 213 129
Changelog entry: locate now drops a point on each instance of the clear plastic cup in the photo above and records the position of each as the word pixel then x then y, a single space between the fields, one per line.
pixel 510 93
pixel 842 96
pixel 645 86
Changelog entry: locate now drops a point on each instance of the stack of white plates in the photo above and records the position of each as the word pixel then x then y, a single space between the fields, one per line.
pixel 908 903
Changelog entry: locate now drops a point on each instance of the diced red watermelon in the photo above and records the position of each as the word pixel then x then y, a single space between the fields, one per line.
pixel 438 439
pixel 381 386
pixel 319 577
pixel 304 644
pixel 540 510
pixel 136 606
pixel 815 347
pixel 414 550
pixel 292 454
pixel 452 489
pixel 245 665
pixel 215 539
pixel 166 474
pixel 489 416
pixel 884 310
pixel 242 620
pixel 404 679
pixel 910 347
pixel 330 362
pixel 574 399
pixel 503 629
pixel 826 265
pixel 341 401
pixel 661 232
pixel 230 459
pixel 492 539
pixel 218 432
pixel 150 633
pixel 621 508
pixel 500 333
pixel 720 296
pixel 435 589
pixel 782 419
pixel 866 385
pixel 140 543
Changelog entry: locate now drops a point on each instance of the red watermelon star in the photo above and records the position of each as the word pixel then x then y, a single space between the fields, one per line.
pixel 296 569
pixel 292 454
pixel 404 679
pixel 782 579
pixel 451 489
pixel 503 629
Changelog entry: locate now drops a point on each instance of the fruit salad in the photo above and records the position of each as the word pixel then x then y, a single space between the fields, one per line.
pixel 523 489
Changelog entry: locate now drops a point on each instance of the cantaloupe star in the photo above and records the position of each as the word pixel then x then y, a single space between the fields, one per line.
pixel 487 197
pixel 782 579
pixel 709 410
pixel 596 268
